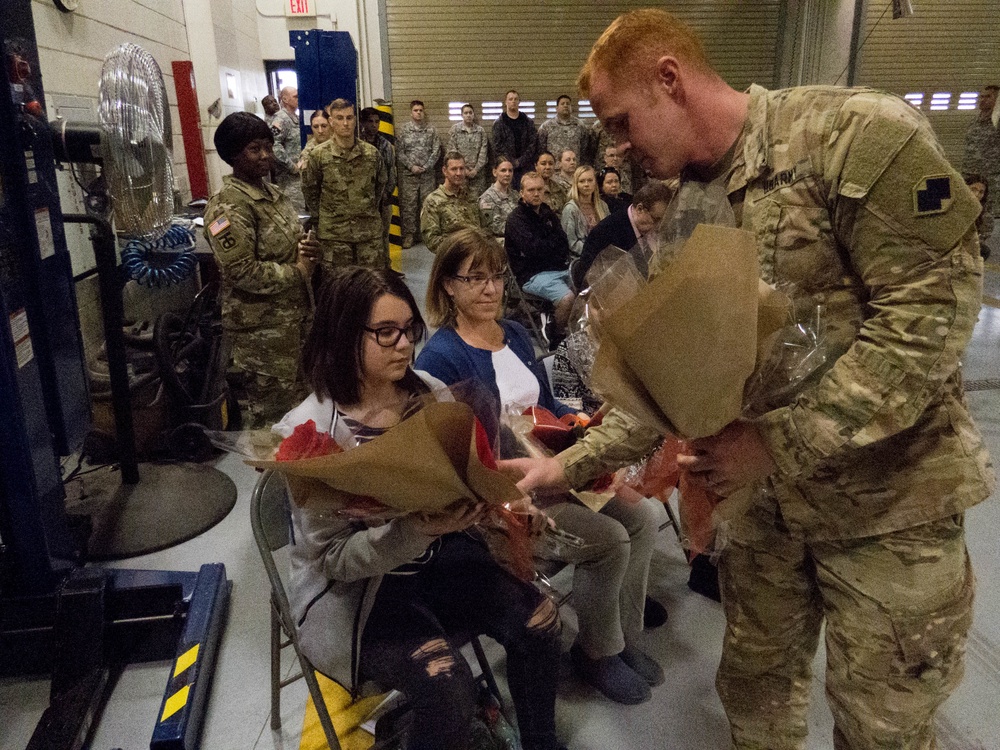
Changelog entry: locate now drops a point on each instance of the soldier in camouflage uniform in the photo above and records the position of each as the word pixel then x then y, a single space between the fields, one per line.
pixel 451 207
pixel 564 131
pixel 288 147
pixel 868 470
pixel 344 187
pixel 499 199
pixel 265 266
pixel 417 148
pixel 469 139
pixel 369 129
pixel 320 126
pixel 555 194
pixel 982 148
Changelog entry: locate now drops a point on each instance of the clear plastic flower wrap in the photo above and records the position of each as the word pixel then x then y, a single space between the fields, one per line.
pixel 625 336
pixel 535 432
pixel 437 457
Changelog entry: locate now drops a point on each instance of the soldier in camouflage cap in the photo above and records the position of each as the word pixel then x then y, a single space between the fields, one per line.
pixel 344 186
pixel 417 148
pixel 867 471
pixel 288 147
pixel 266 266
pixel 451 206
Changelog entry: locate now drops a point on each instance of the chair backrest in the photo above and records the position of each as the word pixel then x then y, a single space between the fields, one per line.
pixel 270 518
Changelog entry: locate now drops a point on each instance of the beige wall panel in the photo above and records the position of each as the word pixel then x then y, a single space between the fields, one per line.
pixel 474 50
pixel 946 46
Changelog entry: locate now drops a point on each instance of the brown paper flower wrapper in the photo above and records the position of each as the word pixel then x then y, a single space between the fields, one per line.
pixel 425 463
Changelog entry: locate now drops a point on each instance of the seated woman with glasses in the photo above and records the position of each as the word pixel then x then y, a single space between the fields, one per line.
pixel 378 601
pixel 465 298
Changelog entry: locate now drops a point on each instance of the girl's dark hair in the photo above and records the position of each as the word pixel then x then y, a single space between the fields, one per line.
pixel 331 355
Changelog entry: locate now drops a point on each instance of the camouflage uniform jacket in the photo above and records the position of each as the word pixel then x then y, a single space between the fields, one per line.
pixel 254 235
pixel 417 146
pixel 982 157
pixel 445 212
pixel 470 143
pixel 853 202
pixel 558 196
pixel 287 142
pixel 388 154
pixel 556 136
pixel 344 190
pixel 496 207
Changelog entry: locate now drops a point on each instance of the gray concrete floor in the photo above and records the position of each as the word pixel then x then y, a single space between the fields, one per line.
pixel 684 713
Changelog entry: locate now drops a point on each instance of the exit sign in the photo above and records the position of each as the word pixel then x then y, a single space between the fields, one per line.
pixel 300 7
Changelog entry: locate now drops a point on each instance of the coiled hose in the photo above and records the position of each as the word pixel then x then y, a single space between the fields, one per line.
pixel 147 262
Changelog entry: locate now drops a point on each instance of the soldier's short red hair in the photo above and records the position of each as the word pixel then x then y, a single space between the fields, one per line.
pixel 640 37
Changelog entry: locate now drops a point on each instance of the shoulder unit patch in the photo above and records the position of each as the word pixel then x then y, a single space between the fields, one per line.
pixel 932 195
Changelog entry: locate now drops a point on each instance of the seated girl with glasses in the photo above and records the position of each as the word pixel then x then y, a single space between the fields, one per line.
pixel 465 298
pixel 379 601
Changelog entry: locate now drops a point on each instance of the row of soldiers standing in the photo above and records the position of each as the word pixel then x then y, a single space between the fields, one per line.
pixel 346 183
pixel 514 135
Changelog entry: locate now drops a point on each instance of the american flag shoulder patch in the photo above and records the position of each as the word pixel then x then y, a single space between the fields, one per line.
pixel 219 225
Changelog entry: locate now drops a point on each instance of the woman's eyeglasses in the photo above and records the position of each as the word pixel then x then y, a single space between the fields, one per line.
pixel 388 336
pixel 479 281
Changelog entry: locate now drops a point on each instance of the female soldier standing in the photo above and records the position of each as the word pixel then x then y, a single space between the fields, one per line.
pixel 266 266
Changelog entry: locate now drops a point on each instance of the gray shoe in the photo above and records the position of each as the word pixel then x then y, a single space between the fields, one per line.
pixel 611 676
pixel 643 665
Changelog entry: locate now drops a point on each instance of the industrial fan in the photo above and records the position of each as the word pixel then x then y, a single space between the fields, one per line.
pixel 82 624
pixel 147 506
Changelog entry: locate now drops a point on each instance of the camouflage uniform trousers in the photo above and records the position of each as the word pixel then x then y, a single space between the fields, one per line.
pixel 373 253
pixel 413 189
pixel 263 375
pixel 897 608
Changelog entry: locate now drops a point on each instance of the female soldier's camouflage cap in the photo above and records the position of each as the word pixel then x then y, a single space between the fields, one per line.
pixel 236 131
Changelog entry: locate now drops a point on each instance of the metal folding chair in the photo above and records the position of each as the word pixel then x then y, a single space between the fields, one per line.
pixel 270 517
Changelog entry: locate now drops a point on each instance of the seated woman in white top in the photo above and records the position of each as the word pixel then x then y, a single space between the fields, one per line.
pixel 465 298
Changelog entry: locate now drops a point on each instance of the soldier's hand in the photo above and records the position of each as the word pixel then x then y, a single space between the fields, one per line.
pixel 310 251
pixel 728 460
pixel 542 475
pixel 417 170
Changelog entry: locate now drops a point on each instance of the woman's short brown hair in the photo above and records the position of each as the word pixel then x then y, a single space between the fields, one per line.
pixel 487 255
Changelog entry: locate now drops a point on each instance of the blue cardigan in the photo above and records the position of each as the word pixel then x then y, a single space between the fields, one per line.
pixel 448 358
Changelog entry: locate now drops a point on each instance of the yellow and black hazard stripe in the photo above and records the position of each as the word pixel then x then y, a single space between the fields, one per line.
pixel 387 129
pixel 179 691
pixel 182 711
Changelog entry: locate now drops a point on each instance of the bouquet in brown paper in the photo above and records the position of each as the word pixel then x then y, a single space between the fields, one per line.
pixel 701 344
pixel 432 460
